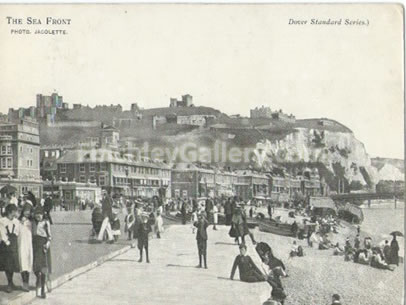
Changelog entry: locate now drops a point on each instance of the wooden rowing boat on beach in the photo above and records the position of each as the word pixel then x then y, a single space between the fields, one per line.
pixel 271 226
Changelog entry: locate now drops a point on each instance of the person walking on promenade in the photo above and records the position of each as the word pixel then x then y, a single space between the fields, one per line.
pixel 144 228
pixel 129 221
pixel 9 231
pixel 25 252
pixel 194 220
pixel 246 230
pixel 159 224
pixel 48 206
pixel 41 242
pixel 97 221
pixel 228 212
pixel 394 251
pixel 209 209
pixel 201 238
pixel 215 216
pixel 115 226
pixel 183 211
pixel 107 212
pixel 237 226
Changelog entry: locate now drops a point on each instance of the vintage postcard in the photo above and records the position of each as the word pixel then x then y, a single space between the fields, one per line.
pixel 206 154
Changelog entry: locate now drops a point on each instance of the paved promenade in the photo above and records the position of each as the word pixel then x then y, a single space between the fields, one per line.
pixel 70 248
pixel 170 278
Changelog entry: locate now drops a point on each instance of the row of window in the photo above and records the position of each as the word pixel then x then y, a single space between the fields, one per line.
pixel 29 163
pixel 51 153
pixel 6 150
pixel 116 167
pixel 126 181
pixel 28 149
pixel 177 193
pixel 136 169
pixel 92 179
pixel 6 162
pixel 277 189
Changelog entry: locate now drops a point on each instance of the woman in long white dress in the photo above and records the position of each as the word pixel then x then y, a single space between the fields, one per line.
pixel 215 216
pixel 159 224
pixel 25 253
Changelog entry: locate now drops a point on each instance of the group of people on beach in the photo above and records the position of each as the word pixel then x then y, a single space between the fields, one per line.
pixel 383 256
pixel 25 240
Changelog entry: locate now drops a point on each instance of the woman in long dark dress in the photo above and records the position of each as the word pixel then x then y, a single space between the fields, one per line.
pixel 394 251
pixel 9 231
pixel 237 226
pixel 41 241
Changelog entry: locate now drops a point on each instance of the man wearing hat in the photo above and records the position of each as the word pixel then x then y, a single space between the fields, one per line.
pixel 201 237
pixel 144 228
pixel 249 272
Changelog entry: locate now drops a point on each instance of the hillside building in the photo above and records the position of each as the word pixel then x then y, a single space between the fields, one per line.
pixel 261 112
pixel 279 115
pixel 186 101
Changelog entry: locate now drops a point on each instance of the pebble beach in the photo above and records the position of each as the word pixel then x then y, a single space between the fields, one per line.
pixel 314 278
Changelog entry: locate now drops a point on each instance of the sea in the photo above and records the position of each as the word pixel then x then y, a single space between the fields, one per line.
pixel 382 218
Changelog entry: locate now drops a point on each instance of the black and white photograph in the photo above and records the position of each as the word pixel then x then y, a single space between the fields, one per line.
pixel 205 154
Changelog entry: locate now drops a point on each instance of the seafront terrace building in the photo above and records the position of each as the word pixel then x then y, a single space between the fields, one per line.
pixel 116 172
pixel 190 180
pixel 20 157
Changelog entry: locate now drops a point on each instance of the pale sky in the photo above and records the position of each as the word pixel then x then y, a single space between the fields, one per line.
pixel 230 57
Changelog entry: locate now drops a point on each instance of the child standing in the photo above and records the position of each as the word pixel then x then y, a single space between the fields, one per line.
pixel 143 230
pixel 159 224
pixel 194 219
pixel 115 226
pixel 9 231
pixel 41 242
pixel 25 246
pixel 97 220
pixel 129 221
pixel 215 216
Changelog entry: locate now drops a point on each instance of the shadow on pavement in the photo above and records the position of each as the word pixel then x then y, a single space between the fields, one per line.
pixel 123 260
pixel 97 242
pixel 181 266
pixel 184 254
pixel 224 243
pixel 224 278
pixel 18 289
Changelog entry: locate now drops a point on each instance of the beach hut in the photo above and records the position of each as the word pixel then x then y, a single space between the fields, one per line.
pixel 322 205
